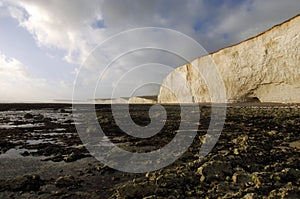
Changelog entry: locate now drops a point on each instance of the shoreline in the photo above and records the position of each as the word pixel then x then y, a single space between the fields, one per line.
pixel 256 155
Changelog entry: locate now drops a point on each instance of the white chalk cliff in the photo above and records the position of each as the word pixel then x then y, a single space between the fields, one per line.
pixel 142 100
pixel 266 67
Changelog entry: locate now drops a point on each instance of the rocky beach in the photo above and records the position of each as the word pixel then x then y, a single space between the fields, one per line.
pixel 256 156
pixel 150 99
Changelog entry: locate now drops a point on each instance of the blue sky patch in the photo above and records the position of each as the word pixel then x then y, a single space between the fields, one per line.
pixel 99 24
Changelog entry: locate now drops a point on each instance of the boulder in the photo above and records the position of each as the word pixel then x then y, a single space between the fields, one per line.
pixel 28 116
pixel 25 183
pixel 66 181
pixel 215 171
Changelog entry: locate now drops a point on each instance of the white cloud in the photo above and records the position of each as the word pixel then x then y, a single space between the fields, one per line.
pixel 18 84
pixel 68 25
pixel 71 25
pixel 57 24
pixel 12 68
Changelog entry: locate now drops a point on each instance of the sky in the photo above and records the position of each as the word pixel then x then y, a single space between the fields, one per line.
pixel 47 47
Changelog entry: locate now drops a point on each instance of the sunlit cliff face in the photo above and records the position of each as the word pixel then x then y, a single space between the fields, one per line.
pixel 265 67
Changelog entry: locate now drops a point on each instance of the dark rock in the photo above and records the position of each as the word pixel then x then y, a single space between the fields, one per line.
pixel 25 183
pixel 215 170
pixel 26 153
pixel 289 175
pixel 135 191
pixel 56 158
pixel 105 170
pixel 68 121
pixel 47 119
pixel 66 181
pixel 241 177
pixel 28 116
pixel 250 196
pixel 57 193
pixel 74 156
pixel 5 146
pixel 51 149
pixel 39 117
pixel 260 178
pixel 288 192
pixel 3 185
pixel 63 111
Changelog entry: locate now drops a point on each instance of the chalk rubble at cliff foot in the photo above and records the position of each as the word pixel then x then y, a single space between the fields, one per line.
pixel 265 68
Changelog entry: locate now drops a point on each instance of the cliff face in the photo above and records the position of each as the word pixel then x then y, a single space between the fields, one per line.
pixel 141 100
pixel 266 67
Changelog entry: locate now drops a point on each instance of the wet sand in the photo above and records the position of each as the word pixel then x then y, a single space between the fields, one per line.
pixel 257 155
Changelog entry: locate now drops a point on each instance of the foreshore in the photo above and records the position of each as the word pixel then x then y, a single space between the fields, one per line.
pixel 256 156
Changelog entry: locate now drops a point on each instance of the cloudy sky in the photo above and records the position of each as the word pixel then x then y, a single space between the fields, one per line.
pixel 44 43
